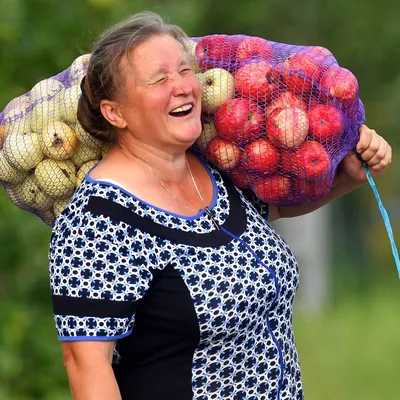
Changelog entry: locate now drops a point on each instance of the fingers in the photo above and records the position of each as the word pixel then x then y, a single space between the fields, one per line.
pixel 364 140
pixel 375 146
pixel 374 149
pixel 380 164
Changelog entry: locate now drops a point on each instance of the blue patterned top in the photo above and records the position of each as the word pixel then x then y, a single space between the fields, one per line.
pixel 196 312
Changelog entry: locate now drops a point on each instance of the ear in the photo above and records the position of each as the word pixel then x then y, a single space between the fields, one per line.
pixel 111 113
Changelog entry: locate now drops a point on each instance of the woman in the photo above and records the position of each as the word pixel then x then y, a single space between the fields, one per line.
pixel 167 282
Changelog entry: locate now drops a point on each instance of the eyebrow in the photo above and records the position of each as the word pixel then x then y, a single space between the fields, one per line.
pixel 163 70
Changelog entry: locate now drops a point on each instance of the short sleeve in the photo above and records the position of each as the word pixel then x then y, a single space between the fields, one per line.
pixel 97 277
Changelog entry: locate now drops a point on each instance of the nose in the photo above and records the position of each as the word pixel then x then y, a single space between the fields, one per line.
pixel 182 85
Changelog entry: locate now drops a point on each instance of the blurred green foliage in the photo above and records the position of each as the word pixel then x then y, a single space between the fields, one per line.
pixel 349 352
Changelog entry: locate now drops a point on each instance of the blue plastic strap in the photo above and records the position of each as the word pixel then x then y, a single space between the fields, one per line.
pixel 385 217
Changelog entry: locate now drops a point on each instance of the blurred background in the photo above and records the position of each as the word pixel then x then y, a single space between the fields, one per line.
pixel 346 316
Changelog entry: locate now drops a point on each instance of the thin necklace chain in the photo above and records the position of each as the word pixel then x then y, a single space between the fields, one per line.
pixel 165 187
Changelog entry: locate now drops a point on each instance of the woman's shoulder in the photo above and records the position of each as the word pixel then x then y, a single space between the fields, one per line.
pixel 76 213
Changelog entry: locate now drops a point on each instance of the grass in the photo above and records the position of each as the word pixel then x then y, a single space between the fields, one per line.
pixel 352 350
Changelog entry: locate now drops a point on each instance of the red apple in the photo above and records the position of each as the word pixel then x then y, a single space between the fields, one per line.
pixel 217 51
pixel 286 100
pixel 340 83
pixel 287 127
pixel 311 190
pixel 224 154
pixel 240 177
pixel 239 120
pixel 257 80
pixel 321 54
pixel 261 156
pixel 254 47
pixel 310 161
pixel 272 189
pixel 288 161
pixel 318 97
pixel 300 72
pixel 326 123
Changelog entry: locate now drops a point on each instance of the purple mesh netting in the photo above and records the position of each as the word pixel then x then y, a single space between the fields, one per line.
pixel 277 118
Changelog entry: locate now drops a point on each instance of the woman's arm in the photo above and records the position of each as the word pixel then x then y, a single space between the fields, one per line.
pixel 88 365
pixel 372 148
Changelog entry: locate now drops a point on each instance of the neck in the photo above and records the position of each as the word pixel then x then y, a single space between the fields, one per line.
pixel 170 167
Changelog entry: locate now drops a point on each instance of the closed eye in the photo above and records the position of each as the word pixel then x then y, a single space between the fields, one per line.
pixel 160 80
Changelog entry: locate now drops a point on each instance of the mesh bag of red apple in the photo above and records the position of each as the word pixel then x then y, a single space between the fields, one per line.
pixel 277 118
pixel 44 152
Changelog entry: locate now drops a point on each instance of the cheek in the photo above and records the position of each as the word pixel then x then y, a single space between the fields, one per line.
pixel 156 99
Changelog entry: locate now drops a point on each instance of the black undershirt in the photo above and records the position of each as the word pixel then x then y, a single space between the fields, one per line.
pixel 156 359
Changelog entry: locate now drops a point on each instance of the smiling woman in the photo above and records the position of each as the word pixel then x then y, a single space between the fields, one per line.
pixel 167 280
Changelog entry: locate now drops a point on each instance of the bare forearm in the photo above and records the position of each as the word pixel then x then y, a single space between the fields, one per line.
pixel 94 382
pixel 337 191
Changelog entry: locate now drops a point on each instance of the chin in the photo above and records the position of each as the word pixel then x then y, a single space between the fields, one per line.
pixel 192 132
pixel 188 132
pixel 191 138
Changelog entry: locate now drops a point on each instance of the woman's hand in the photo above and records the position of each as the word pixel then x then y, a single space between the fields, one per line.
pixel 373 149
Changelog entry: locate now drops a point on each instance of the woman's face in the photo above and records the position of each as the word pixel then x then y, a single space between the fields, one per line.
pixel 161 100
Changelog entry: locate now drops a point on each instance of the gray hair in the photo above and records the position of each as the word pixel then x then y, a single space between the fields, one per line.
pixel 103 78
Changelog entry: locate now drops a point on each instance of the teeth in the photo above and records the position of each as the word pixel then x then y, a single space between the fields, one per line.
pixel 183 108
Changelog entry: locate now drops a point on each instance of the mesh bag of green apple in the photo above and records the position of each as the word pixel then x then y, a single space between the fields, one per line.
pixel 277 118
pixel 44 152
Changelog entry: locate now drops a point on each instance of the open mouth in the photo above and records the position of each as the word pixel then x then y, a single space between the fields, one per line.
pixel 182 111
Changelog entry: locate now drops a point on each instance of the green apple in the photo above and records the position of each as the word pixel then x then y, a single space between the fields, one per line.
pixel 207 133
pixel 15 118
pixel 217 87
pixel 43 201
pixel 68 103
pixel 190 49
pixel 56 178
pixel 48 217
pixel 85 153
pixel 28 190
pixel 8 173
pixel 83 170
pixel 45 89
pixel 28 196
pixel 22 150
pixel 14 194
pixel 2 135
pixel 86 138
pixel 58 140
pixel 16 106
pixel 21 124
pixel 59 206
pixel 44 113
pixel 78 68
pixel 31 195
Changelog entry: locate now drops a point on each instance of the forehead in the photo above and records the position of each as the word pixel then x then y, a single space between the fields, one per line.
pixel 154 54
